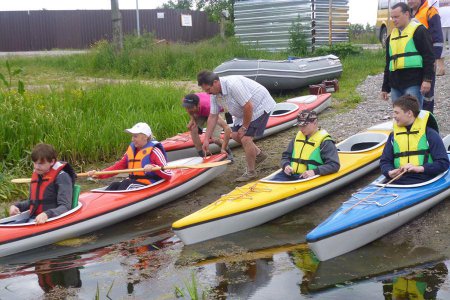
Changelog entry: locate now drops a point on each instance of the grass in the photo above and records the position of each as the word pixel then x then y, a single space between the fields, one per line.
pixel 86 126
pixel 85 120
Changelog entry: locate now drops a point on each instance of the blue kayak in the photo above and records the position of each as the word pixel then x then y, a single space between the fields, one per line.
pixel 374 211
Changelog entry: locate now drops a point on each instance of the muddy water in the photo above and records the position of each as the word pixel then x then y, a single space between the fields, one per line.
pixel 141 259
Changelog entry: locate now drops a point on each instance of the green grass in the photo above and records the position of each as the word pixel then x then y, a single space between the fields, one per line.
pixel 85 126
pixel 356 68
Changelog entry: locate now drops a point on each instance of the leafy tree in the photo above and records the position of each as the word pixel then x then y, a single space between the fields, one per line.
pixel 179 4
pixel 298 44
pixel 214 9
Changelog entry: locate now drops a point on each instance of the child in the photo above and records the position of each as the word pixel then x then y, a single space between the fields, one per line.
pixel 51 186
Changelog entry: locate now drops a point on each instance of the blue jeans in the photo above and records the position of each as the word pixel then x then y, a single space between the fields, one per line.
pixel 412 90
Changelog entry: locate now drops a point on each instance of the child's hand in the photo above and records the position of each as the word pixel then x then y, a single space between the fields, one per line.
pixel 41 218
pixel 14 210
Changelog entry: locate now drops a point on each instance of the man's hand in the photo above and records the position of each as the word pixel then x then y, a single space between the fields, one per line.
pixel 41 218
pixel 288 170
pixel 425 87
pixel 384 96
pixel 307 174
pixel 205 146
pixel 13 210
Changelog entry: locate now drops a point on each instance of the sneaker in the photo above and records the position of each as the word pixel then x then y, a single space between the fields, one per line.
pixel 260 158
pixel 247 176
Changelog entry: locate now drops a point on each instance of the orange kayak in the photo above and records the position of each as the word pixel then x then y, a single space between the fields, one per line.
pixel 99 208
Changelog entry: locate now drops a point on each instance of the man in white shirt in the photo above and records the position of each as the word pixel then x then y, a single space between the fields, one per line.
pixel 249 102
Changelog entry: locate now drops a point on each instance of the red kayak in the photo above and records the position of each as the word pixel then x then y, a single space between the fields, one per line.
pixel 99 208
pixel 283 117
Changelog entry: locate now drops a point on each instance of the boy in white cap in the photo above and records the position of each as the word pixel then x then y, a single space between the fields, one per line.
pixel 143 152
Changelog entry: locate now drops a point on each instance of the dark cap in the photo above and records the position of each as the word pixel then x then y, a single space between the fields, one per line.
pixel 191 100
pixel 305 117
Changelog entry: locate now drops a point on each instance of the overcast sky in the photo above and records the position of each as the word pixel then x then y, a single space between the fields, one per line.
pixel 361 11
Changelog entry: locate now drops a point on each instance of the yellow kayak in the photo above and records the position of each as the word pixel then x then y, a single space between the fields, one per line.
pixel 261 201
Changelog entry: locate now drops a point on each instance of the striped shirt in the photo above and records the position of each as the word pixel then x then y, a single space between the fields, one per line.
pixel 237 90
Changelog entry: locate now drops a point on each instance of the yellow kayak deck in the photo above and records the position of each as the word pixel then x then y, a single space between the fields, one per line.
pixel 263 193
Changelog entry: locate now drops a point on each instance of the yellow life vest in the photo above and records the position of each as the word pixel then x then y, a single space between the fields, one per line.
pixel 403 53
pixel 412 146
pixel 306 152
pixel 403 288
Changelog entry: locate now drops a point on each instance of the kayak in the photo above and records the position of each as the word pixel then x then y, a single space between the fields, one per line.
pixel 99 208
pixel 373 212
pixel 283 117
pixel 266 199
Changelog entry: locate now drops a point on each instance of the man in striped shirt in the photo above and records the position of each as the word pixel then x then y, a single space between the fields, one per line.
pixel 250 104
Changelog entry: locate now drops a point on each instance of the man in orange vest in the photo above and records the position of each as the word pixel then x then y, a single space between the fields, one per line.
pixel 429 17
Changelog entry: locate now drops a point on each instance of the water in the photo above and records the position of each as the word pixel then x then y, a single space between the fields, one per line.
pixel 141 259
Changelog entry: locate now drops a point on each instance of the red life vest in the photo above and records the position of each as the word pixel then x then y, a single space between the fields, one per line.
pixel 39 185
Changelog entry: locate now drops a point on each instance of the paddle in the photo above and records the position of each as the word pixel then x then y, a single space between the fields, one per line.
pixel 374 192
pixel 197 166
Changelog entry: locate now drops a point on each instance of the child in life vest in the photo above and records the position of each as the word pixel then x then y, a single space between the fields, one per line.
pixel 312 152
pixel 143 153
pixel 51 186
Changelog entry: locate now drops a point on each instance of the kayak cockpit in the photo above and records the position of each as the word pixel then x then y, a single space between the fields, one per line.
pixel 271 178
pixel 282 109
pixel 382 182
pixel 133 188
pixel 23 219
pixel 362 142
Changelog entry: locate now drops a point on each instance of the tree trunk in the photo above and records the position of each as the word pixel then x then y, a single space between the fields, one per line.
pixel 116 26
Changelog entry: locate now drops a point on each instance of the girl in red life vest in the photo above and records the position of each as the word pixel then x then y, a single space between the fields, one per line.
pixel 143 152
pixel 51 186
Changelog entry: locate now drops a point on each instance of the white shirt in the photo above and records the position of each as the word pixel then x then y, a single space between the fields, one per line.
pixel 237 90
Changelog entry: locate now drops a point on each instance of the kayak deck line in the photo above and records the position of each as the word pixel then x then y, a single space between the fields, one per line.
pixel 220 201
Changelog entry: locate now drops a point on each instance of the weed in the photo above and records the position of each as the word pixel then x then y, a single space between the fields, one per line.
pixel 11 74
pixel 192 288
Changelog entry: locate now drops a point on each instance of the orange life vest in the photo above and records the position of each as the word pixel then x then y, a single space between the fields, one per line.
pixel 39 184
pixel 425 13
pixel 139 159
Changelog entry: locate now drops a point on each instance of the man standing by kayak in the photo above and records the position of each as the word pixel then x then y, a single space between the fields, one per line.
pixel 429 17
pixel 249 102
pixel 409 57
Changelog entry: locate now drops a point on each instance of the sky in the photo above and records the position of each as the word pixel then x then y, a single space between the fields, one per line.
pixel 361 11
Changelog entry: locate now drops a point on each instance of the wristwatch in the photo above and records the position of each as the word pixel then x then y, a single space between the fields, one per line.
pixel 244 128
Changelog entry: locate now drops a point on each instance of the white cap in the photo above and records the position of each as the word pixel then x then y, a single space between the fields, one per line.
pixel 140 128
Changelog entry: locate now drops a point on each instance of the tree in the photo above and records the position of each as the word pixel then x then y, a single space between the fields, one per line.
pixel 214 8
pixel 116 26
pixel 179 4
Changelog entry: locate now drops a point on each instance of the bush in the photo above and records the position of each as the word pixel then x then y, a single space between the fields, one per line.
pixel 298 44
pixel 341 50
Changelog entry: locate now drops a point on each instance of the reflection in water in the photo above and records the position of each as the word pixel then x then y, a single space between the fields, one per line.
pixel 421 284
pixel 242 279
pixel 306 261
pixel 54 273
